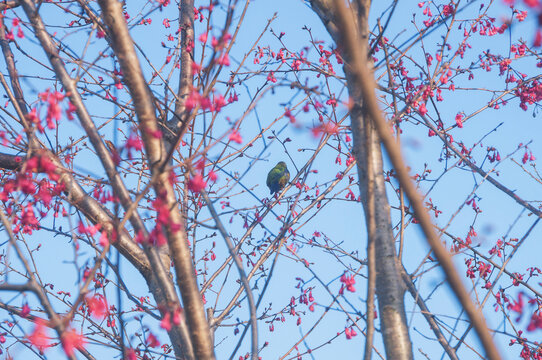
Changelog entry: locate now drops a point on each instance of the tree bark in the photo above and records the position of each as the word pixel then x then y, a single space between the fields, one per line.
pixel 351 37
pixel 123 47
pixel 368 153
pixel 159 277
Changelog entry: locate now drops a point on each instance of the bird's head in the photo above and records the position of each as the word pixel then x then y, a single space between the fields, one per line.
pixel 281 165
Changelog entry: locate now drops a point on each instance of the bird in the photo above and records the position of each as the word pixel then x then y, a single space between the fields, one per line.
pixel 278 177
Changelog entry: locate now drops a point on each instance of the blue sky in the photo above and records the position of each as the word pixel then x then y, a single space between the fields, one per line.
pixel 342 221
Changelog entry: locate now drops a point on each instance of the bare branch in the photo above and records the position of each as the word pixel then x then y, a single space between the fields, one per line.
pixel 350 41
pixel 144 107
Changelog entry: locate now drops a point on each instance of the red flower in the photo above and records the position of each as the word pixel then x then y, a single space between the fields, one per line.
pixel 39 337
pixel 235 136
pixel 133 143
pixel 348 282
pixel 152 341
pixel 538 39
pixel 25 310
pixel 422 109
pixel 97 306
pixel 459 120
pixel 212 176
pixel 327 128
pixel 218 103
pixel 166 322
pixel 157 237
pixel 70 111
pixel 131 354
pixel 196 183
pixel 71 340
pixel 224 60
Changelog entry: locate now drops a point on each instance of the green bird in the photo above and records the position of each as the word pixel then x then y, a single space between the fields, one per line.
pixel 278 177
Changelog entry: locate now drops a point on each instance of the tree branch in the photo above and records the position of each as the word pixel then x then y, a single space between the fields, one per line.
pixel 428 315
pixel 122 45
pixel 367 151
pixel 350 41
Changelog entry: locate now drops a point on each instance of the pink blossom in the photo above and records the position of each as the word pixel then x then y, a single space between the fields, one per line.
pixel 196 183
pixel 235 136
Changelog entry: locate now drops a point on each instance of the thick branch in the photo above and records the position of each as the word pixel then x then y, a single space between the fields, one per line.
pixel 159 266
pixel 381 244
pixel 350 41
pixel 11 162
pixel 9 4
pixel 144 107
pixel 82 113
pixel 186 75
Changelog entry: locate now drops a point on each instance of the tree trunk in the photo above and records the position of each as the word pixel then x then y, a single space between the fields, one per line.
pixel 367 151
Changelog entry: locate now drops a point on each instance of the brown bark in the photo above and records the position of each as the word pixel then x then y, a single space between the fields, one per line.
pixel 122 45
pixel 5 4
pixel 360 67
pixel 159 280
pixel 186 75
pixel 367 151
